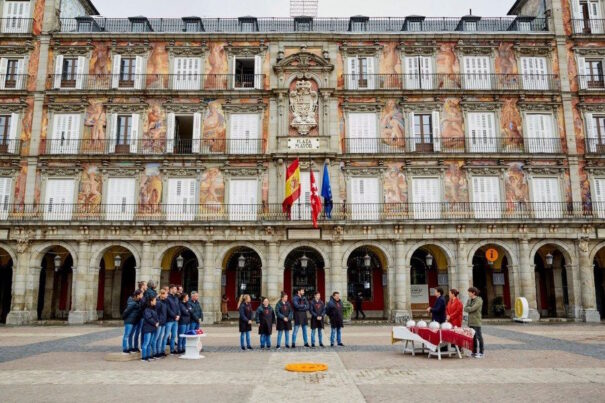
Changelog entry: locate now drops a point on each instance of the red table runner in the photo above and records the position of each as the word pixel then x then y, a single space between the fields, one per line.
pixel 435 337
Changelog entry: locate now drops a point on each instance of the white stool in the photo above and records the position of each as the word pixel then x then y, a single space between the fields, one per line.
pixel 193 346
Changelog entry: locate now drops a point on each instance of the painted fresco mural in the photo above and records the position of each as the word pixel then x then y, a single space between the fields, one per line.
pixel 216 63
pixel 511 126
pixel 390 63
pixel 455 183
pixel 26 125
pixel 452 124
pixel 584 186
pixel 515 185
pixel 38 16
pixel 157 65
pixel 505 64
pixel 154 127
pixel 392 125
pixel 32 67
pixel 578 126
pixel 20 183
pixel 91 187
pixel 100 62
pixel 572 67
pixel 395 187
pixel 212 191
pixel 447 64
pixel 150 190
pixel 95 122
pixel 214 130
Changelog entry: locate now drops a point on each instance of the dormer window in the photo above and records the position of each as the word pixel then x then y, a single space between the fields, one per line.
pixel 140 24
pixel 87 24
pixel 413 23
pixel 303 24
pixel 468 23
pixel 248 24
pixel 193 24
pixel 358 23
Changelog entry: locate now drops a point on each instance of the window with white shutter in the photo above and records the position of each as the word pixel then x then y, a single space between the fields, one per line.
pixel 244 133
pixel 9 125
pixel 120 199
pixel 365 199
pixel 418 72
pixel 595 132
pixel 362 133
pixel 12 73
pixel 546 197
pixel 477 72
pixel 540 133
pixel 243 198
pixel 66 134
pixel 59 199
pixel 361 73
pixel 181 199
pixel 482 132
pixel 301 209
pixel 595 14
pixel 186 73
pixel 5 198
pixel 15 17
pixel 426 198
pixel 534 72
pixel 598 199
pixel 486 197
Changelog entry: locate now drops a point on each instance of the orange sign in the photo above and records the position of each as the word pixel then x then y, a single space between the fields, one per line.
pixel 491 255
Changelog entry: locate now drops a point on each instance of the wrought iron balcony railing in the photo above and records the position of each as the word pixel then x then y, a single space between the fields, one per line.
pixel 153 82
pixel 373 212
pixel 12 146
pixel 438 82
pixel 588 26
pixel 285 25
pixel 14 82
pixel 594 82
pixel 426 144
pixel 16 25
pixel 153 146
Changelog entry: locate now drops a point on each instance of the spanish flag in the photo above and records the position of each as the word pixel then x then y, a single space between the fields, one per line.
pixel 292 186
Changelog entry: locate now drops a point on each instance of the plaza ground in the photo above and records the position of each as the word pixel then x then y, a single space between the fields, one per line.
pixel 537 362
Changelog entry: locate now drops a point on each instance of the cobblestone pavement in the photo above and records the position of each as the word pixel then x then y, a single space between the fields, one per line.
pixel 523 362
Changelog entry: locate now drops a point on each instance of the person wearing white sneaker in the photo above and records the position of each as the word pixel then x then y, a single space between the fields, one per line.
pixel 473 308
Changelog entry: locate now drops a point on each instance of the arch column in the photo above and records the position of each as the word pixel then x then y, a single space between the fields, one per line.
pixel 528 279
pixel 78 314
pixel 338 274
pixel 573 291
pixel 402 310
pixel 19 313
pixel 463 277
pixel 211 286
pixel 144 272
pixel 272 278
pixel 587 286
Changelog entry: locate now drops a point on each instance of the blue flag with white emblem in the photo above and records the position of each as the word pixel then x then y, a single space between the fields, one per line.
pixel 326 192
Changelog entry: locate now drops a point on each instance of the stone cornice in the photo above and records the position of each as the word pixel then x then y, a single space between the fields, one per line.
pixel 525 106
pixel 479 106
pixel 362 106
pixel 115 171
pixel 129 107
pixel 186 172
pixel 592 107
pixel 426 48
pixel 59 107
pixel 242 171
pixel 72 50
pixel 17 49
pixel 187 50
pixel 130 49
pixel 303 62
pixel 476 48
pixel 253 50
pixel 589 51
pixel 169 106
pixel 13 107
pixel 485 169
pixel 544 169
pixel 258 107
pixel 360 50
pixel 543 49
pixel 424 169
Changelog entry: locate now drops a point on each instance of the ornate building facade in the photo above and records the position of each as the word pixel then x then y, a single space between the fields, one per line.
pixel 459 151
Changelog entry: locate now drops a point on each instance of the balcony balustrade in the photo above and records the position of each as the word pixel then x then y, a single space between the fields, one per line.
pixel 14 82
pixel 10 147
pixel 594 82
pixel 588 26
pixel 16 25
pixel 301 213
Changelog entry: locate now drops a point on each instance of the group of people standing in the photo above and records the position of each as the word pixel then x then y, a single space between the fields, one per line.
pixel 452 313
pixel 285 313
pixel 154 320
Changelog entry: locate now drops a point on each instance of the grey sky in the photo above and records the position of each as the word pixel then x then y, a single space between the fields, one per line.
pixel 280 8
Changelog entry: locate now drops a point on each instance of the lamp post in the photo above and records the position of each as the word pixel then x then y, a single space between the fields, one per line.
pixel 429 260
pixel 179 262
pixel 241 264
pixel 117 261
pixel 549 259
pixel 57 261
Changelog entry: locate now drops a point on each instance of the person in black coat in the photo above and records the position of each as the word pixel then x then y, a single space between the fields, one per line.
pixel 318 311
pixel 265 318
pixel 150 326
pixel 184 320
pixel 285 315
pixel 301 306
pixel 245 321
pixel 161 307
pixel 197 316
pixel 359 305
pixel 438 309
pixel 172 319
pixel 334 312
pixel 131 318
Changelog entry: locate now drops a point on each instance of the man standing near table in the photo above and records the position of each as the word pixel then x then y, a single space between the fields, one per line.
pixel 438 309
pixel 301 306
pixel 473 308
pixel 197 315
pixel 174 314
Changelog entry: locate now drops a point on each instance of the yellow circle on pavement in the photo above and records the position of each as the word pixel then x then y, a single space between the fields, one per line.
pixel 306 367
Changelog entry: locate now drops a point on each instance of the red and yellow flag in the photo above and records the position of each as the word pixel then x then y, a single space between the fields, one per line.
pixel 292 186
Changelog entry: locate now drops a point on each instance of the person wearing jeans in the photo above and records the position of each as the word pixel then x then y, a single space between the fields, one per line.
pixel 285 315
pixel 150 326
pixel 130 316
pixel 301 306
pixel 138 335
pixel 184 321
pixel 197 316
pixel 245 321
pixel 265 318
pixel 473 308
pixel 172 318
pixel 334 312
pixel 161 308
pixel 317 308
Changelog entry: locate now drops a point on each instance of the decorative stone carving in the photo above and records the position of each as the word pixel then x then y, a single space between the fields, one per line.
pixel 245 51
pixel 303 104
pixel 131 48
pixel 139 107
pixel 538 106
pixel 184 107
pixel 258 107
pixel 425 48
pixel 591 51
pixel 543 49
pixel 362 107
pixel 72 50
pixel 20 49
pixel 187 50
pixel 303 62
pixel 473 106
pixel 14 107
pixel 67 107
pixel 476 48
pixel 592 107
pixel 361 50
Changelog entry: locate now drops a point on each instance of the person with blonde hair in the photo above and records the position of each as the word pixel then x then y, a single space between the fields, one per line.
pixel 245 321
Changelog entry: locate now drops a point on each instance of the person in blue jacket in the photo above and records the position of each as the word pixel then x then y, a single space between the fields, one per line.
pixel 285 315
pixel 317 308
pixel 137 334
pixel 150 326
pixel 438 309
pixel 265 318
pixel 184 320
pixel 246 316
pixel 197 316
pixel 334 310
pixel 301 306
pixel 131 318
pixel 161 307
pixel 172 318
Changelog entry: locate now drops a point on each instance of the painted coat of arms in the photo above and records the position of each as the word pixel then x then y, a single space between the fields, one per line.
pixel 303 103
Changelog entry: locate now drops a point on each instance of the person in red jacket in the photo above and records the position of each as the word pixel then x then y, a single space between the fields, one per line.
pixel 454 309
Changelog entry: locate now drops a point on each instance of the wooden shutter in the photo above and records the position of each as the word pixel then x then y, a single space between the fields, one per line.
pixel 3 68
pixel 170 123
pixel 134 133
pixel 412 69
pixel 594 13
pixel 66 134
pixel 112 132
pixel 197 132
pixel 59 199
pixel 181 199
pixel 582 73
pixel 370 73
pixel 12 133
pixel 482 132
pixel 534 73
pixel 244 133
pixel 80 71
pixel 115 71
pixel 5 192
pixel 120 198
pixel 540 133
pixel 591 133
pixel 21 76
pixel 599 197
pixel 139 69
pixel 362 133
pixel 426 69
pixel 243 199
pixel 426 193
pixel 576 11
pixel 353 72
pixel 366 199
pixel 436 123
pixel 58 71
pixel 413 134
pixel 486 196
pixel 14 16
pixel 546 197
pixel 476 72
